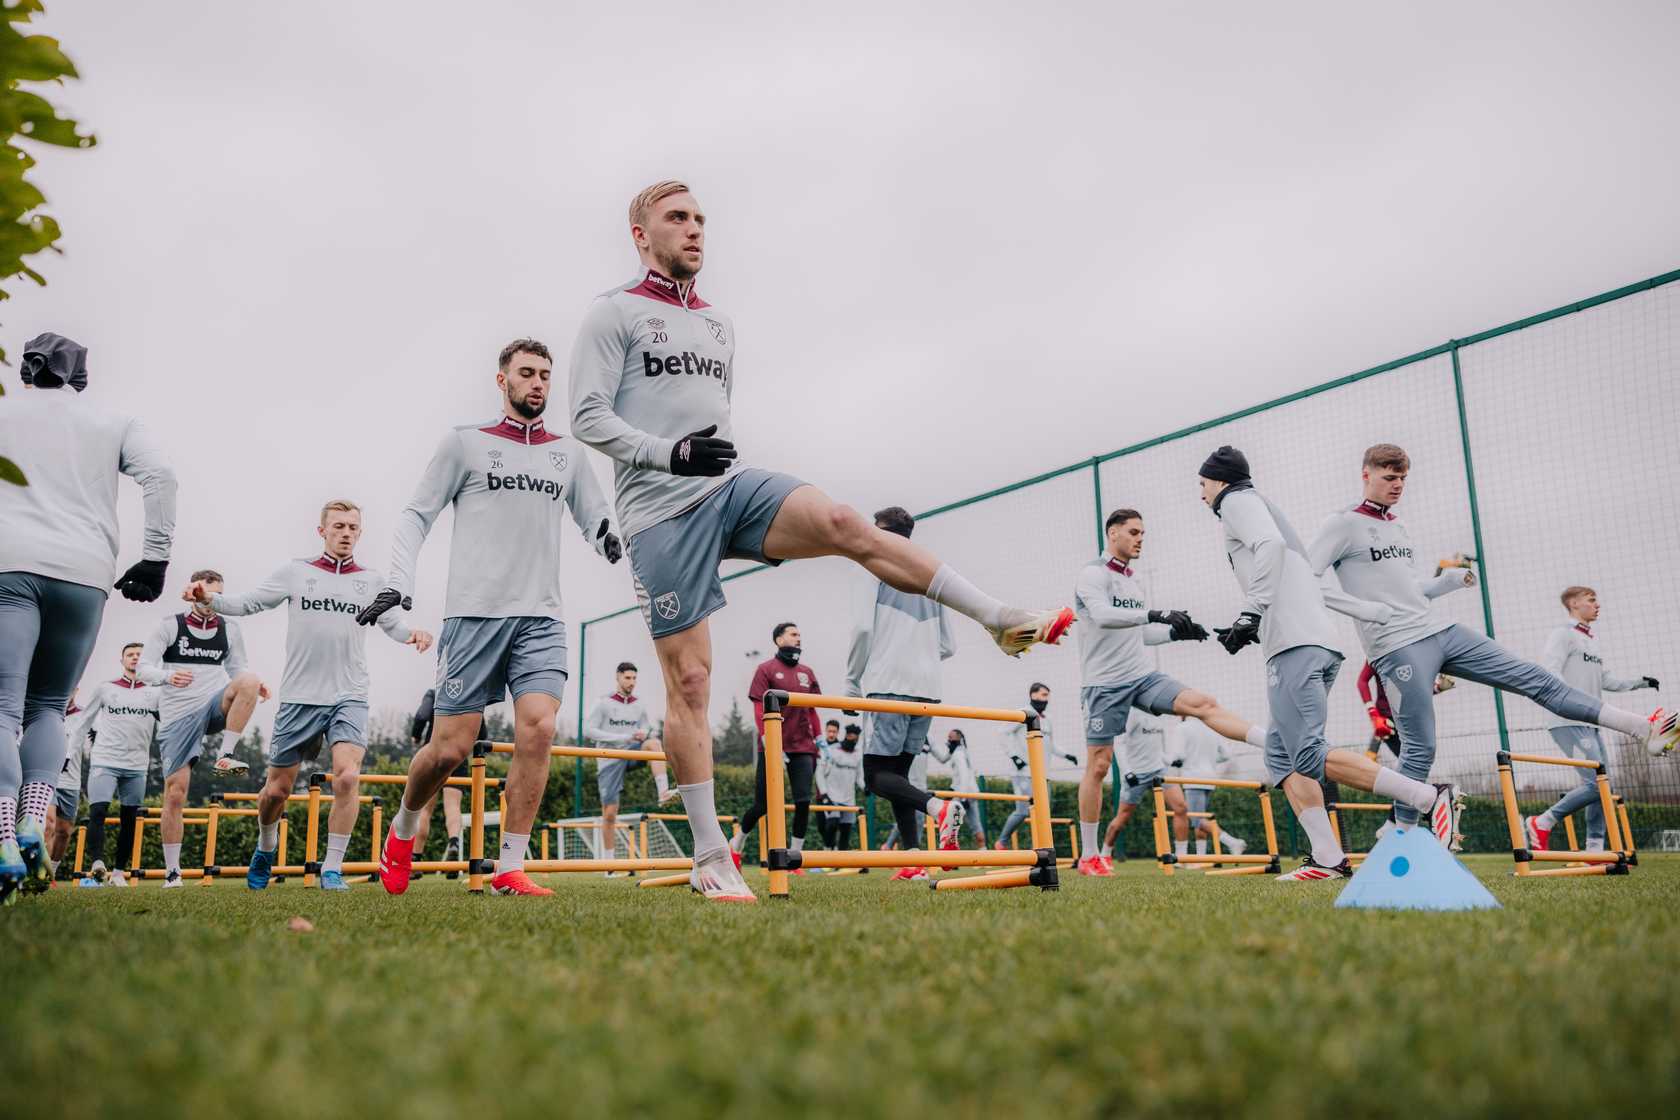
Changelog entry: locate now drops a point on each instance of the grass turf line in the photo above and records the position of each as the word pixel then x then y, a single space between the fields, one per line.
pixel 859 997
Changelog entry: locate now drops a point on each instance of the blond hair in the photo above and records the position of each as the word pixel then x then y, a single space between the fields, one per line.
pixel 643 202
pixel 1570 594
pixel 344 504
pixel 1388 455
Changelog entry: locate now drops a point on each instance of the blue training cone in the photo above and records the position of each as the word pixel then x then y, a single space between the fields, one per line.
pixel 1411 871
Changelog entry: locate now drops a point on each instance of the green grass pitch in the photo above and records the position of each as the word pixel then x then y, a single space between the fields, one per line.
pixel 859 997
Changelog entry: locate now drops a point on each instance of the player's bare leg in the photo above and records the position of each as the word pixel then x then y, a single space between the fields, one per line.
pixel 811 524
pixel 452 741
pixel 1199 705
pixel 685 659
pixel 278 784
pixel 341 818
pixel 1097 762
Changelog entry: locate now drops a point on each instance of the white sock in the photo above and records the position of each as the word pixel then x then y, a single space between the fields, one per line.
pixel 172 857
pixel 512 856
pixel 934 807
pixel 268 835
pixel 1546 821
pixel 1616 719
pixel 1397 787
pixel 661 784
pixel 230 740
pixel 738 843
pixel 1087 837
pixel 1256 736
pixel 1387 827
pixel 337 844
pixel 1181 847
pixel 954 591
pixel 33 800
pixel 1325 851
pixel 1108 851
pixel 406 823
pixel 1201 846
pixel 700 803
pixel 796 843
pixel 1595 844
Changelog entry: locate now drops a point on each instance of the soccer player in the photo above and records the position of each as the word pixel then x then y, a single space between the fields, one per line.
pixel 830 741
pixel 963 780
pixel 58 556
pixel 619 721
pixel 121 719
pixel 324 689
pixel 503 628
pixel 420 733
pixel 801 728
pixel 1015 747
pixel 898 642
pixel 839 778
pixel 201 657
pixel 1572 654
pixel 1145 757
pixel 653 372
pixel 1197 752
pixel 1285 613
pixel 1117 675
pixel 1372 555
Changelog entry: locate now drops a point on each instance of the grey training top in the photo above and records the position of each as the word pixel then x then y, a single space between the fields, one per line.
pixel 898 641
pixel 63 525
pixel 326 651
pixel 1572 653
pixel 1271 568
pixel 507 481
pixel 1375 563
pixel 614 721
pixel 653 362
pixel 123 717
pixel 1114 624
pixel 167 650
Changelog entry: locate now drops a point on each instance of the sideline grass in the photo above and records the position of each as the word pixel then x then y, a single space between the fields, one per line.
pixel 857 998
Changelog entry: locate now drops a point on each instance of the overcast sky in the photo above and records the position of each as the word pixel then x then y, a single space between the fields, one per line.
pixel 962 243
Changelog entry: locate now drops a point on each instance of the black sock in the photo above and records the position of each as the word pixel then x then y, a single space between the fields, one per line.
pixel 126 818
pixel 95 849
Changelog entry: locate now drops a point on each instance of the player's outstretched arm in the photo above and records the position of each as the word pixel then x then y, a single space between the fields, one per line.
pixel 1091 591
pixel 443 479
pixel 143 460
pixel 273 591
pixel 1326 551
pixel 1450 580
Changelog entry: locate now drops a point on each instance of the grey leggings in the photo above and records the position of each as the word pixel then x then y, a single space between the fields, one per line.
pixel 1023 809
pixel 47 630
pixel 1408 677
pixel 1581 742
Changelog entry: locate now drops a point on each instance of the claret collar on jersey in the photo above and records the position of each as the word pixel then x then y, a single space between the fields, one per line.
pixel 623 699
pixel 329 563
pixel 1374 509
pixel 1114 565
pixel 656 285
pixel 1584 628
pixel 524 433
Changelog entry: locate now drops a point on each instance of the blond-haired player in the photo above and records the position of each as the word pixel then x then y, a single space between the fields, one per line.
pixel 652 377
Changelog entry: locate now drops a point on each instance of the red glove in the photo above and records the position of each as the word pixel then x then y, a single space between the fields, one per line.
pixel 1379 723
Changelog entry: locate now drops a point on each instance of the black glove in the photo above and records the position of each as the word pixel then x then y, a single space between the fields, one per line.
pixel 1072 758
pixel 610 547
pixel 1180 626
pixel 383 602
pixel 1020 763
pixel 702 453
pixel 1651 682
pixel 144 581
pixel 1244 631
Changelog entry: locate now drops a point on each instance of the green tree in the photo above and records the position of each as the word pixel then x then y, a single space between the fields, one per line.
pixel 24 230
pixel 736 741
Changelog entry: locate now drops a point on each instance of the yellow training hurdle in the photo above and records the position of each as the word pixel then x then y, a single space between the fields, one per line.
pixel 1337 808
pixel 1012 868
pixel 1617 858
pixel 1257 864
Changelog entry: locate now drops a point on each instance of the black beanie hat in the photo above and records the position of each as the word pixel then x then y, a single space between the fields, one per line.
pixel 1226 465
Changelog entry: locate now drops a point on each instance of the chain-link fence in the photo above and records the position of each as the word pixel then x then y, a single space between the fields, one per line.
pixel 1537 448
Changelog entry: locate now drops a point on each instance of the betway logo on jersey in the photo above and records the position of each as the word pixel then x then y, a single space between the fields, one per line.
pixel 687 362
pixel 1127 604
pixel 150 713
pixel 1392 552
pixel 617 722
pixel 1591 658
pixel 328 605
pixel 529 483
pixel 187 649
